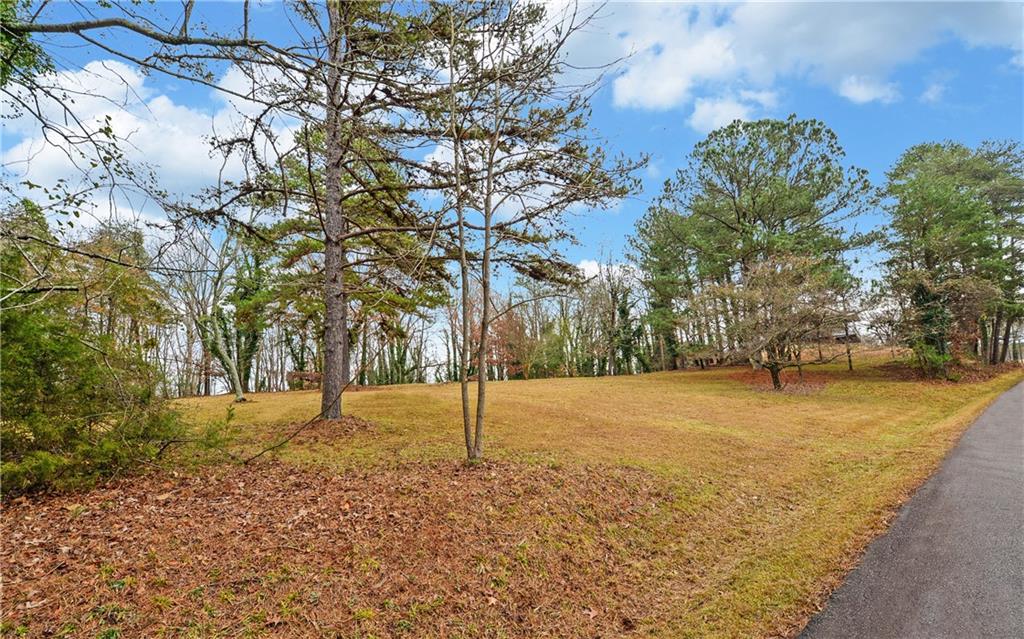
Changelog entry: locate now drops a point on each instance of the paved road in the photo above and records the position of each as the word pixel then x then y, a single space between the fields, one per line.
pixel 952 564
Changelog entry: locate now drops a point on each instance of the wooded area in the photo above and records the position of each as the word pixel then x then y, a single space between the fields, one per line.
pixel 308 327
pixel 410 172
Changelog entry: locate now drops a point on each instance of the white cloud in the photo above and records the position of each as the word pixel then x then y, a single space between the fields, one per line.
pixel 767 99
pixel 713 113
pixel 593 268
pixel 679 52
pixel 589 268
pixel 934 92
pixel 100 87
pixel 171 138
pixel 861 89
pixel 653 168
pixel 664 76
pixel 156 130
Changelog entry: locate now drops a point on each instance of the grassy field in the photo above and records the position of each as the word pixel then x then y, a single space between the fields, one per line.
pixel 684 504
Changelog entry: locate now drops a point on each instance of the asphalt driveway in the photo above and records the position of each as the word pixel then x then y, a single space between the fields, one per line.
pixel 952 564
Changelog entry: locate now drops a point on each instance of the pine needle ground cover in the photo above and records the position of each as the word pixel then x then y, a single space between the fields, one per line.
pixel 685 504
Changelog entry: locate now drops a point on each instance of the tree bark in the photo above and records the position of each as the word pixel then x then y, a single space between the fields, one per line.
pixel 336 342
pixel 477 451
pixel 464 344
pixel 849 354
pixel 993 353
pixel 219 348
pixel 1006 339
pixel 204 374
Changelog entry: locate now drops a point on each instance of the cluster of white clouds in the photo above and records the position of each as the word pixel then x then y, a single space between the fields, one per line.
pixel 589 268
pixel 592 268
pixel 154 130
pixel 862 89
pixel 717 60
pixel 710 113
pixel 716 63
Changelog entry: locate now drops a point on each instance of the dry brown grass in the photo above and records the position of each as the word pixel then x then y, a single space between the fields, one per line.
pixel 771 496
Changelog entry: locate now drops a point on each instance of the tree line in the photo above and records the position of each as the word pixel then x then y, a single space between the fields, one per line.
pixel 407 173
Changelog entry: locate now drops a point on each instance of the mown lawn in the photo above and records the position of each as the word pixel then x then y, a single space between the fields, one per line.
pixel 686 504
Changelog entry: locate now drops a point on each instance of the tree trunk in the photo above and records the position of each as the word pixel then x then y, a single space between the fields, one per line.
pixel 993 353
pixel 849 355
pixel 1006 339
pixel 219 348
pixel 336 343
pixel 477 451
pixel 984 341
pixel 364 346
pixel 461 348
pixel 207 373
pixel 204 373
pixel 776 379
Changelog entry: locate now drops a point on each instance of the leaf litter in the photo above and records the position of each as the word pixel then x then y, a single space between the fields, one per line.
pixel 502 549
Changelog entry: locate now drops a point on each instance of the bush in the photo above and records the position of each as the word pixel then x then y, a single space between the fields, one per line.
pixel 73 411
pixel 930 360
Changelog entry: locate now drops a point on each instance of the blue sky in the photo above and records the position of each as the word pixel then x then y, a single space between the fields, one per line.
pixel 949 89
pixel 883 76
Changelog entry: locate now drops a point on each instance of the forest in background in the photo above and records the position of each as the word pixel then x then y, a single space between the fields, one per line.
pixel 347 257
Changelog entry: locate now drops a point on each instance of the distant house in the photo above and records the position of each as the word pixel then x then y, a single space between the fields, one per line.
pixel 842 338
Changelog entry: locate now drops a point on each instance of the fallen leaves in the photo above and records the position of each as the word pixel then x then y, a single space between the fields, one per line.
pixel 419 549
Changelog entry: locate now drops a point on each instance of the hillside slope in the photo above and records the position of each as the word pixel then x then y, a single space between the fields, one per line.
pixel 680 504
